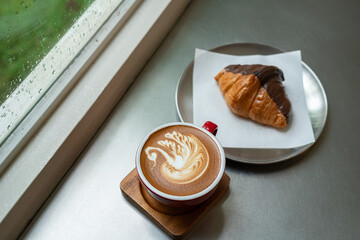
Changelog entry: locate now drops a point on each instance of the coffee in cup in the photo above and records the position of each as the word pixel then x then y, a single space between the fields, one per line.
pixel 180 160
pixel 180 165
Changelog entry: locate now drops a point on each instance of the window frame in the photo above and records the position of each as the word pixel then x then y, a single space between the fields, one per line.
pixel 73 54
pixel 50 152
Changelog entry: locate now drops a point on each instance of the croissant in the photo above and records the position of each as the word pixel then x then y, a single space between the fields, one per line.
pixel 255 92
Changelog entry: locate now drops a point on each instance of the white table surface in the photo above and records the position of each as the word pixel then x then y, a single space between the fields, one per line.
pixel 314 196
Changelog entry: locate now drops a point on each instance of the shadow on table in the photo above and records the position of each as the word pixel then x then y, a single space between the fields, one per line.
pixel 211 226
pixel 280 166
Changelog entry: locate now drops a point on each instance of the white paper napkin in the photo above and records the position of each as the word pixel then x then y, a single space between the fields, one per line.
pixel 238 132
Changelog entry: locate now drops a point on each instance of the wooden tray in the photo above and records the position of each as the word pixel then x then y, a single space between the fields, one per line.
pixel 176 226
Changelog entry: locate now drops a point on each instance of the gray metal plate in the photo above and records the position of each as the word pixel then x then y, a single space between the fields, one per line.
pixel 315 98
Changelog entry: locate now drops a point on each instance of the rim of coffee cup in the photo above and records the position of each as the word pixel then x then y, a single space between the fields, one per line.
pixel 175 197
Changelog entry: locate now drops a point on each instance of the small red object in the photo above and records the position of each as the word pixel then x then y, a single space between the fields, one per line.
pixel 211 127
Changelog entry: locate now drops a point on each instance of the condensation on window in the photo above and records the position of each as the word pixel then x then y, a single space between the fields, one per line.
pixel 28 30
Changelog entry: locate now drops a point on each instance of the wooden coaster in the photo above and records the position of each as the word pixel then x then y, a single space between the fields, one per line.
pixel 176 226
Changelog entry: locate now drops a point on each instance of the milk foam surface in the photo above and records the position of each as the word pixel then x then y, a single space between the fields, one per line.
pixel 180 160
pixel 186 157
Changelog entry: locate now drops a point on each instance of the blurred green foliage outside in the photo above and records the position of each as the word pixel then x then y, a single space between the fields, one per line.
pixel 28 30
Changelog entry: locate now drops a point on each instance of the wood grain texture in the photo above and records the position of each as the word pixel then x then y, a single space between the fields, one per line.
pixel 176 226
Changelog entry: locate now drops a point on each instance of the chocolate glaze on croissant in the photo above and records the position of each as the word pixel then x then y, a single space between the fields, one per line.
pixel 256 92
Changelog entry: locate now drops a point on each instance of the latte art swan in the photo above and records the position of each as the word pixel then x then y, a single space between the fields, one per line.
pixel 186 157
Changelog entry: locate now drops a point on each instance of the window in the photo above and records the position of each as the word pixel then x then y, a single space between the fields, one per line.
pixel 29 29
pixel 38 42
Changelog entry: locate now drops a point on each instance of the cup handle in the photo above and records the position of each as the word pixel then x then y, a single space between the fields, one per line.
pixel 211 127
